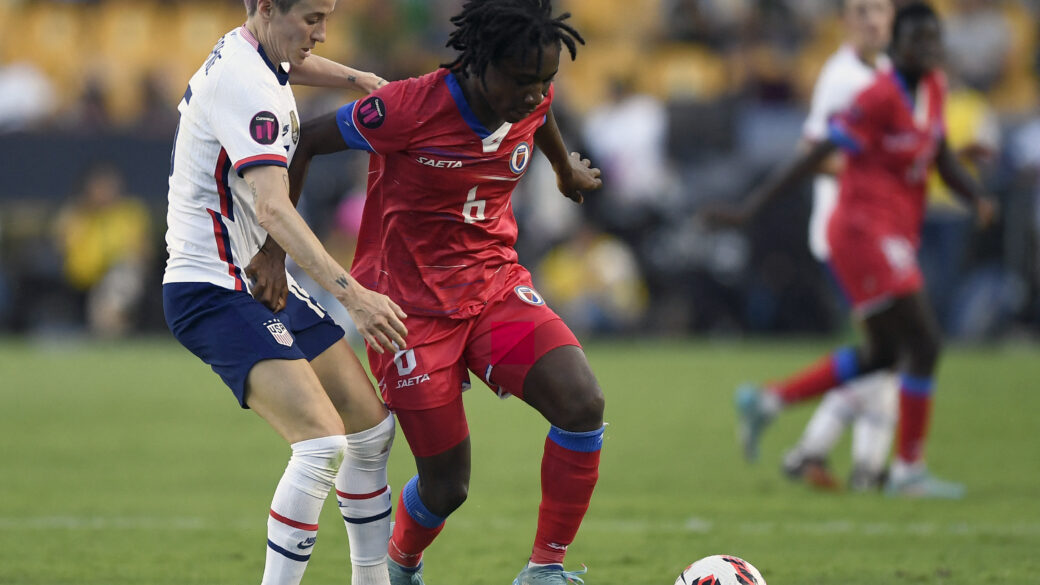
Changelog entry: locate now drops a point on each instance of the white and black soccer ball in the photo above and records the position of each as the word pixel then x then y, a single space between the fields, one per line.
pixel 720 570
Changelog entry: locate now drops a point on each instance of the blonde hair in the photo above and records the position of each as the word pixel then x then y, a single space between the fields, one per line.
pixel 283 6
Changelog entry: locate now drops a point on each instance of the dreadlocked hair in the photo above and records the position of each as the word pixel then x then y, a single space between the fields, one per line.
pixel 487 30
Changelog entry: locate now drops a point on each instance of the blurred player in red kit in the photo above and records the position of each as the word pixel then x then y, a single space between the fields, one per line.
pixel 893 134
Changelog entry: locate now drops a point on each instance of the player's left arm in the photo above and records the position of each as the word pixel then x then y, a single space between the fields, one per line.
pixel 318 71
pixel 574 174
pixel 965 185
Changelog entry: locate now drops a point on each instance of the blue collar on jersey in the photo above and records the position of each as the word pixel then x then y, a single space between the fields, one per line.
pixel 908 95
pixel 463 105
pixel 283 77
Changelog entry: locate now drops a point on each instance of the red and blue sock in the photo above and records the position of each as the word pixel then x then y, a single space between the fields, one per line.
pixel 570 468
pixel 830 372
pixel 415 527
pixel 915 405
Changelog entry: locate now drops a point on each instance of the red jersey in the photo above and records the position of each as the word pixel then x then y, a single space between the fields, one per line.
pixel 892 138
pixel 437 231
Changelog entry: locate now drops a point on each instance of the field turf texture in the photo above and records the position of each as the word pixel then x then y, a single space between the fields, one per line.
pixel 131 463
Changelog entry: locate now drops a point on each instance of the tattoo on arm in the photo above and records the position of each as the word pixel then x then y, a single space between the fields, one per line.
pixel 342 281
pixel 252 187
pixel 352 78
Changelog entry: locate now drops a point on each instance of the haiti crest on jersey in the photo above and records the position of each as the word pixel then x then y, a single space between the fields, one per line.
pixel 279 332
pixel 520 157
pixel 529 295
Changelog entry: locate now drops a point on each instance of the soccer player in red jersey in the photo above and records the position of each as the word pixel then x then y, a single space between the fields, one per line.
pixel 893 133
pixel 437 235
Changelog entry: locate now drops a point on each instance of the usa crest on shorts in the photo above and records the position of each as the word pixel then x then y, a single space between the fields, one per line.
pixel 279 332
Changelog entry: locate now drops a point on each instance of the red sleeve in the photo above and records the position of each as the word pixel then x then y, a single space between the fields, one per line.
pixel 384 121
pixel 856 127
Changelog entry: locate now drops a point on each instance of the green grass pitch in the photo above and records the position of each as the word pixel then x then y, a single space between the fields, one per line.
pixel 131 464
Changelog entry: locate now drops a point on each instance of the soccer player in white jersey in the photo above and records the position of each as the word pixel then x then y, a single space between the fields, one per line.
pixel 281 354
pixel 868 403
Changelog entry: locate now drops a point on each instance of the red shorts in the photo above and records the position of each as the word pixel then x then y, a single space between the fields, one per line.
pixel 872 264
pixel 499 345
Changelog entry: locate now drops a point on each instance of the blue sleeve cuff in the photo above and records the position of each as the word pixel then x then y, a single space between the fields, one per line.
pixel 351 136
pixel 839 135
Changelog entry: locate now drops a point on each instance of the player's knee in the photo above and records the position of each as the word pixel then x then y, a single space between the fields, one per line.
pixel 443 498
pixel 583 411
pixel 372 446
pixel 319 458
pixel 924 353
pixel 878 356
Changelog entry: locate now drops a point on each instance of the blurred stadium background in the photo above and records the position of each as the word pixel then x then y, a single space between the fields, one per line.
pixel 679 101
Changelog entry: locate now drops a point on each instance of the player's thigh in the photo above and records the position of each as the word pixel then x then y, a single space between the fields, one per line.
pixel 562 387
pixel 348 386
pixel 288 395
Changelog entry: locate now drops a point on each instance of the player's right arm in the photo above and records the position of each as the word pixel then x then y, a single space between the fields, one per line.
pixel 267 268
pixel 377 318
pixel 780 181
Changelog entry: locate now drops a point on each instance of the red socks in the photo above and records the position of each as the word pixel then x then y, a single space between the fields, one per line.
pixel 570 468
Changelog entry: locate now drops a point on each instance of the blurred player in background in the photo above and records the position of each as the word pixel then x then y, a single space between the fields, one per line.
pixel 437 236
pixel 286 359
pixel 867 403
pixel 893 134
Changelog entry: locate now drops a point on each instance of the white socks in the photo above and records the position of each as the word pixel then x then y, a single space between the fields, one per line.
pixel 292 526
pixel 870 404
pixel 365 501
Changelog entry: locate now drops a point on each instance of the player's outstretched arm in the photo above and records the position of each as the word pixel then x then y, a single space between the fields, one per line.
pixel 574 174
pixel 780 181
pixel 318 71
pixel 960 180
pixel 377 317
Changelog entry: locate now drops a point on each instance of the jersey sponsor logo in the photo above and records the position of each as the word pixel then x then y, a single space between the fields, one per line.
pixel 371 113
pixel 529 295
pixel 413 381
pixel 295 126
pixel 264 128
pixel 520 157
pixel 439 164
pixel 279 332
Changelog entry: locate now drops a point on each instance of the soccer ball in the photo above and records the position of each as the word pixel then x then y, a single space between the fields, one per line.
pixel 720 570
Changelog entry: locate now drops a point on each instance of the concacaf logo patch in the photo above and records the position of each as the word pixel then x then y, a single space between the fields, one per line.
pixel 529 295
pixel 371 113
pixel 520 157
pixel 279 332
pixel 264 128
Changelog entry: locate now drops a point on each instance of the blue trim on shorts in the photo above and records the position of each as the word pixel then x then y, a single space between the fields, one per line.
pixel 416 509
pixel 585 442
pixel 846 364
pixel 231 331
pixel 916 386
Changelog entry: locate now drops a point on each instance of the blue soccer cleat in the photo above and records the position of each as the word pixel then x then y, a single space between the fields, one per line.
pixel 548 575
pixel 921 484
pixel 753 419
pixel 400 575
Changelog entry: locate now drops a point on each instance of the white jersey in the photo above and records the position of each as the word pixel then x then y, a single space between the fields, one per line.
pixel 843 77
pixel 237 112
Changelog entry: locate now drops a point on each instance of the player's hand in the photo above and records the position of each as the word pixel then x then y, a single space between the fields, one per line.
pixel 378 319
pixel 718 215
pixel 986 212
pixel 267 272
pixel 577 176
